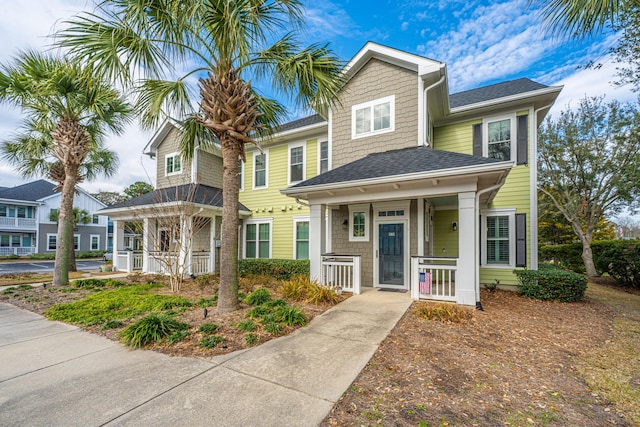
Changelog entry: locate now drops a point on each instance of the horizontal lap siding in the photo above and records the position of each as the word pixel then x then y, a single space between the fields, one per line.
pixel 171 144
pixel 443 235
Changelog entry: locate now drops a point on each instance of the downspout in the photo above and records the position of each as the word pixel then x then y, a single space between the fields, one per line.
pixel 476 238
pixel 426 107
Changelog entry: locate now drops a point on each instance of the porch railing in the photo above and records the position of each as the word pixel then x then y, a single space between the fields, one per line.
pixel 18 250
pixel 128 261
pixel 200 263
pixel 433 278
pixel 341 272
pixel 12 222
pixel 159 262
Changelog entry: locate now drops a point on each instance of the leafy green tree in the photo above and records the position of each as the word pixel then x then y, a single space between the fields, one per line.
pixel 220 45
pixel 138 188
pixel 590 165
pixel 80 216
pixel 110 197
pixel 68 110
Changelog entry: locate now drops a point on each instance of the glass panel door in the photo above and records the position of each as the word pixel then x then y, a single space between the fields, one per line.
pixel 391 254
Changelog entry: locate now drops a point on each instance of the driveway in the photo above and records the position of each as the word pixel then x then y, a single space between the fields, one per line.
pixel 44 266
pixel 58 375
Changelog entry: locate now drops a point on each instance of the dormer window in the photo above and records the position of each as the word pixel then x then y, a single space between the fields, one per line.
pixel 173 164
pixel 374 117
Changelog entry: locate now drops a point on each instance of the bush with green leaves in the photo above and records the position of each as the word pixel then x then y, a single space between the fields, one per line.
pixel 177 336
pixel 112 324
pixel 258 312
pixel 620 259
pixel 290 315
pixel 247 326
pixel 209 328
pixel 273 328
pixel 251 339
pixel 281 269
pixel 550 284
pixel 90 254
pixel 211 341
pixel 258 297
pixel 151 328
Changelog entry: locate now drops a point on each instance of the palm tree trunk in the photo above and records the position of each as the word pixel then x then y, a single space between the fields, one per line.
pixel 72 253
pixel 228 292
pixel 65 228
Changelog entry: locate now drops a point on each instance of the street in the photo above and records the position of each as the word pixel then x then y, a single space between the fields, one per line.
pixel 43 266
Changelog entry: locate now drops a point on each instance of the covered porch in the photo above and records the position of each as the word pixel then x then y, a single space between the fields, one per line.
pixel 410 227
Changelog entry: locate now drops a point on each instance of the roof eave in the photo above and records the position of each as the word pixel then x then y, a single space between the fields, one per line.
pixel 551 90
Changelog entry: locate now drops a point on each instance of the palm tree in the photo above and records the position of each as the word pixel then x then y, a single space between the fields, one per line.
pixel 80 216
pixel 68 110
pixel 582 17
pixel 221 44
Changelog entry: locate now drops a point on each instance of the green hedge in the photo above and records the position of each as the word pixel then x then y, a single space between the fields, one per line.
pixel 550 284
pixel 281 269
pixel 568 256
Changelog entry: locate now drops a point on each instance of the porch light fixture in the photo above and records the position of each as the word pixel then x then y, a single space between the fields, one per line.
pixel 454 226
pixel 345 224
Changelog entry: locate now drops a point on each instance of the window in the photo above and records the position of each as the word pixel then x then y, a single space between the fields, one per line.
pixel 373 117
pixel 323 165
pixel 359 223
pixel 240 174
pixel 22 212
pixel 173 164
pixel 260 164
pixel 95 219
pixel 301 244
pixel 3 211
pixel 499 134
pixel 52 242
pixel 95 242
pixel 258 239
pixel 4 241
pixel 76 242
pixel 296 164
pixel 498 248
pixel 15 241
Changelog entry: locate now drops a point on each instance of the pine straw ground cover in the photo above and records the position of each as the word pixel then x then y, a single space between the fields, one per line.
pixel 200 293
pixel 521 362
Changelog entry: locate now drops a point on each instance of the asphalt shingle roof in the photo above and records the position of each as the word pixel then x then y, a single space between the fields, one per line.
pixel 194 193
pixel 32 191
pixel 396 162
pixel 499 90
pixel 305 121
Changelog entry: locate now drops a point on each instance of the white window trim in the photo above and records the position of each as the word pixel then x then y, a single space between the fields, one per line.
pixel 296 220
pixel 266 170
pixel 367 219
pixel 392 116
pixel 257 222
pixel 511 213
pixel 304 162
pixel 320 141
pixel 166 157
pixel 514 135
pixel 91 236
pixel 79 241
pixel 49 241
pixel 241 168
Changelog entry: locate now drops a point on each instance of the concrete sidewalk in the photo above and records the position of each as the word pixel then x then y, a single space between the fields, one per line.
pixel 58 375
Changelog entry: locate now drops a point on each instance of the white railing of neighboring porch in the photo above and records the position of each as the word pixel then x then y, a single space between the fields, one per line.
pixel 12 222
pixel 158 262
pixel 128 261
pixel 341 272
pixel 200 263
pixel 18 250
pixel 433 278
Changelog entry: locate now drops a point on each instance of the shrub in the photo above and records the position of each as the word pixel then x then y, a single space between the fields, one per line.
pixel 620 259
pixel 247 326
pixel 446 313
pixel 290 315
pixel 205 280
pixel 153 327
pixel 258 297
pixel 89 283
pixel 317 295
pixel 568 256
pixel 177 336
pixel 273 328
pixel 209 328
pixel 211 342
pixel 45 255
pixel 258 311
pixel 296 288
pixel 251 339
pixel 90 254
pixel 10 256
pixel 281 269
pixel 551 285
pixel 111 324
pixel 274 303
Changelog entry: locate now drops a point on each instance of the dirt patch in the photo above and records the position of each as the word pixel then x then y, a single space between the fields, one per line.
pixel 512 364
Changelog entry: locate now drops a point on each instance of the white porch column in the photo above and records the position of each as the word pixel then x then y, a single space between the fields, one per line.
pixel 317 239
pixel 212 245
pixel 118 240
pixel 467 230
pixel 147 243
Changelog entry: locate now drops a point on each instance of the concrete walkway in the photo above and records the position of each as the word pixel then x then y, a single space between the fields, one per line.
pixel 54 374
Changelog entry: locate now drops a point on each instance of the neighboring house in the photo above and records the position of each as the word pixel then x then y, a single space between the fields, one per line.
pixel 403 186
pixel 25 227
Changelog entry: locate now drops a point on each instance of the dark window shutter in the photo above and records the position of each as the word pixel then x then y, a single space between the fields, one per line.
pixel 477 139
pixel 523 140
pixel 521 240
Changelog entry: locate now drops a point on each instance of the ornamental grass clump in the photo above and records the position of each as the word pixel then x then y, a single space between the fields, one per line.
pixel 151 328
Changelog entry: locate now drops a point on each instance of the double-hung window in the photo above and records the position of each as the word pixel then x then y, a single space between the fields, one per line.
pixel 499 138
pixel 173 164
pixel 260 165
pixel 95 242
pixel 296 163
pixel 499 238
pixel 301 230
pixel 258 239
pixel 373 117
pixel 52 241
pixel 95 219
pixel 323 158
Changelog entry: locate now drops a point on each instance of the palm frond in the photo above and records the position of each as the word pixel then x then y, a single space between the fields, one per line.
pixel 194 134
pixel 157 99
pixel 579 17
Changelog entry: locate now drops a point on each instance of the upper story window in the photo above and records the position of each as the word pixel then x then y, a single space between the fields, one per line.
pixel 3 211
pixel 260 165
pixel 173 164
pixel 95 219
pixel 296 163
pixel 323 157
pixel 373 117
pixel 498 138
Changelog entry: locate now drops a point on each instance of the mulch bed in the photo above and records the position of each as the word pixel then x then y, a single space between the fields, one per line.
pixel 509 365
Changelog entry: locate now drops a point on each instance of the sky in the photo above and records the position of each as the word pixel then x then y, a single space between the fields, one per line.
pixel 482 42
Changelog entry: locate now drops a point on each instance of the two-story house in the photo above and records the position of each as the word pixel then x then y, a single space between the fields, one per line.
pixel 403 186
pixel 25 220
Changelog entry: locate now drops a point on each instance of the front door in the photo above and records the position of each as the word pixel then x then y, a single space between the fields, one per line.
pixel 391 266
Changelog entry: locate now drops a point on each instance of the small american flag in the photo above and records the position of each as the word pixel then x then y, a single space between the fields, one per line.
pixel 425 282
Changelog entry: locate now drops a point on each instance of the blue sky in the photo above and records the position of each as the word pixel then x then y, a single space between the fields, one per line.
pixel 482 42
